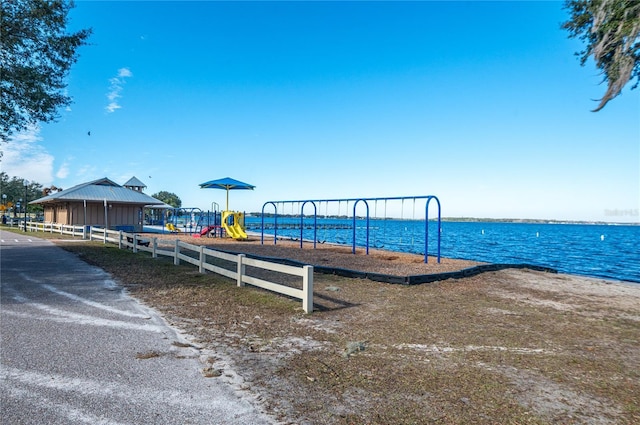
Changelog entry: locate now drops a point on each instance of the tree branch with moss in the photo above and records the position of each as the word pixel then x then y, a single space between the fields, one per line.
pixel 611 31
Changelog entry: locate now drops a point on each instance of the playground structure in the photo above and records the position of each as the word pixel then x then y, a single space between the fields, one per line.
pixel 192 221
pixel 227 223
pixel 198 223
pixel 313 225
pixel 184 220
pixel 232 222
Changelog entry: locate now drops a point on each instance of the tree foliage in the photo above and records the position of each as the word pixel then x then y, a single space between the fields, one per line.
pixel 610 30
pixel 14 191
pixel 36 56
pixel 168 198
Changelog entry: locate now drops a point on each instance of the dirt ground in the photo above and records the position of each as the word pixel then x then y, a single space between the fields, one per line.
pixel 512 346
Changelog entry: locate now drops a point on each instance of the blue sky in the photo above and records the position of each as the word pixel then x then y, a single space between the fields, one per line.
pixel 482 104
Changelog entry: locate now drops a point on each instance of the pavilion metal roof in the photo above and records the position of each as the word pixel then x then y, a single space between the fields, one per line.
pixel 134 182
pixel 100 190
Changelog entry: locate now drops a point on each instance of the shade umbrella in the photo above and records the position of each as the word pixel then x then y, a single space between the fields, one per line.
pixel 227 184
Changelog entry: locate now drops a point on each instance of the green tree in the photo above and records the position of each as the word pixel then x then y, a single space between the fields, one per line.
pixel 36 56
pixel 610 29
pixel 12 191
pixel 168 198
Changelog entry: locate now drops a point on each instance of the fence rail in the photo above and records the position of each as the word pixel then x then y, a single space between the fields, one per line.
pixel 198 255
pixel 62 229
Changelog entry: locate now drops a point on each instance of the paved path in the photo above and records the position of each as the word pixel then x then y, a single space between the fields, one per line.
pixel 75 349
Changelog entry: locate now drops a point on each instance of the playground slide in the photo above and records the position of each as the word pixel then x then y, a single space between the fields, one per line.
pixel 235 231
pixel 206 230
pixel 170 227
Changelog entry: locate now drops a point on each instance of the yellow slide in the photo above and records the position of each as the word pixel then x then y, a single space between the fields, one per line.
pixel 170 227
pixel 234 230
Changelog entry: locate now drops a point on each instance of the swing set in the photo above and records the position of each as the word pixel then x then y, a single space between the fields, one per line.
pixel 314 203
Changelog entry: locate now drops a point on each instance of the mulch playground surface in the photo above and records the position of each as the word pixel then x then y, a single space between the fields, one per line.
pixel 377 265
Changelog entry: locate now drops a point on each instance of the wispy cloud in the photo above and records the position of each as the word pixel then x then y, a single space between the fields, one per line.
pixel 116 85
pixel 24 157
pixel 87 171
pixel 63 171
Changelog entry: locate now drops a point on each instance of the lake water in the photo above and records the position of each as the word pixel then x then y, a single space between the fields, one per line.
pixel 608 251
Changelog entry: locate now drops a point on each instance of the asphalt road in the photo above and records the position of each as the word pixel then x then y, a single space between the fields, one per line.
pixel 76 349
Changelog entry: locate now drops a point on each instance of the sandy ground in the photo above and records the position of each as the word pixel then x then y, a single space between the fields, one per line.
pixel 574 290
pixel 556 342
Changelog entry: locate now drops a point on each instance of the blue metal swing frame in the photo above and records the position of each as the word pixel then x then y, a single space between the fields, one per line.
pixel 366 201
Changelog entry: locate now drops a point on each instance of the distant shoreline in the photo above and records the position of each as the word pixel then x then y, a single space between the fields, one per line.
pixel 468 219
pixel 533 221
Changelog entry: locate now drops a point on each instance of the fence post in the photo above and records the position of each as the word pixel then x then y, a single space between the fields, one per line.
pixel 120 239
pixel 241 268
pixel 176 252
pixel 135 243
pixel 307 288
pixel 105 235
pixel 201 265
pixel 154 249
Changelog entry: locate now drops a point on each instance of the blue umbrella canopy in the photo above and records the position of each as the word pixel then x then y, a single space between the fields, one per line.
pixel 227 184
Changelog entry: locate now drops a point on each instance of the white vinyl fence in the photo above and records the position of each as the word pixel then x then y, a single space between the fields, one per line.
pixel 204 258
pixel 62 229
